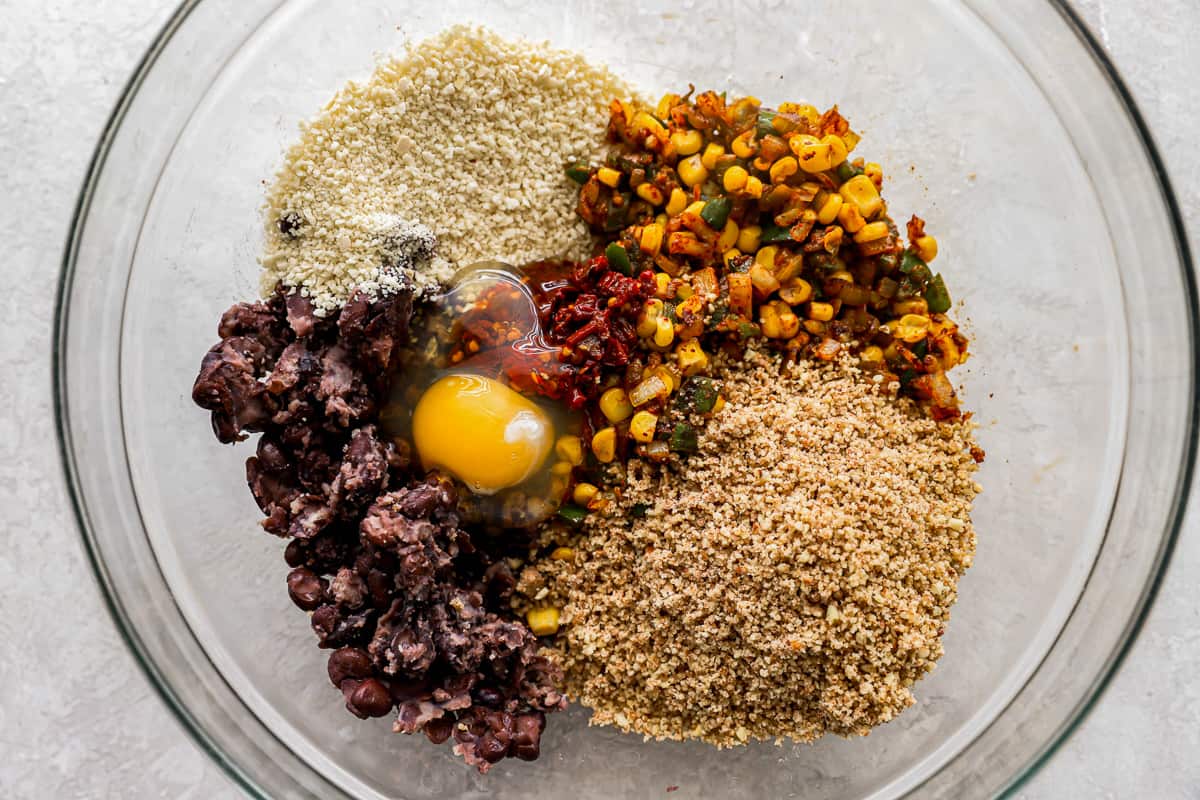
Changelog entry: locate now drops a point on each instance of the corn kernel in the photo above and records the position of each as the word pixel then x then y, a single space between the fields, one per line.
pixel 833 238
pixel 683 243
pixel 664 332
pixel 768 320
pixel 813 326
pixel 650 193
pixel 915 321
pixel 691 358
pixel 874 172
pixel 783 169
pixel 851 139
pixel 735 178
pixel 871 232
pixel 728 237
pixel 652 237
pixel 765 257
pixel 753 187
pixel 711 154
pixel 720 404
pixel 927 248
pixel 821 312
pixel 608 176
pixel 668 101
pixel 813 155
pixel 850 218
pixel 569 449
pixel 913 305
pixel 871 355
pixel 748 238
pixel 743 146
pixel 647 322
pixel 664 374
pixel 860 191
pixel 615 405
pixel 729 255
pixel 584 493
pixel 789 323
pixel 646 122
pixel 837 148
pixel 830 208
pixel 796 291
pixel 692 171
pixel 642 426
pixel 763 279
pixel 662 286
pixel 542 621
pixel 677 202
pixel 567 553
pixel 683 291
pixel 561 469
pixel 687 142
pixel 604 445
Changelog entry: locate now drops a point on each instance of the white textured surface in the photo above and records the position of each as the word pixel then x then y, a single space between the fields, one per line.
pixel 77 719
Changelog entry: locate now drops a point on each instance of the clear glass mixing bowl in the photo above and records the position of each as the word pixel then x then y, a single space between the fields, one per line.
pixel 1000 122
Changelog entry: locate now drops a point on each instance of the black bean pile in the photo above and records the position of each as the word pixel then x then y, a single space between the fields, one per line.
pixel 414 607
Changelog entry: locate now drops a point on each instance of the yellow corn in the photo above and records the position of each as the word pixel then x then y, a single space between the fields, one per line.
pixel 860 191
pixel 851 139
pixel 813 154
pixel 874 172
pixel 783 169
pixel 646 122
pixel 789 323
pixel 692 171
pixel 677 202
pixel 913 305
pixel 765 257
pixel 695 208
pixel 763 279
pixel 615 405
pixel 902 330
pixel 665 105
pixel 604 445
pixel 850 218
pixel 796 291
pixel 562 469
pixel 872 354
pixel 915 321
pixel 687 142
pixel 871 232
pixel 652 237
pixel 833 238
pixel 735 178
pixel 650 193
pixel 647 322
pixel 743 146
pixel 642 426
pixel 665 375
pixel 682 243
pixel 830 208
pixel 813 326
pixel 729 255
pixel 717 406
pixel 683 291
pixel 802 110
pixel 691 358
pixel 729 236
pixel 608 176
pixel 569 449
pixel 768 320
pixel 542 621
pixel 567 553
pixel 753 187
pixel 662 286
pixel 584 493
pixel 837 148
pixel 748 238
pixel 711 154
pixel 927 248
pixel 664 332
pixel 821 312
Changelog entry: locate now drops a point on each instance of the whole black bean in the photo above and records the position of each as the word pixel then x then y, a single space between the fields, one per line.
pixel 371 698
pixel 348 662
pixel 295 554
pixel 307 590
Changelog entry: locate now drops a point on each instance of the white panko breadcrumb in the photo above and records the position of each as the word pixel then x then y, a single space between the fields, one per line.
pixel 468 134
pixel 791 579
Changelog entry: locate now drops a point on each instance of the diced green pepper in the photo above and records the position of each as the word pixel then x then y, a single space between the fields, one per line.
pixel 618 259
pixel 765 119
pixel 683 439
pixel 910 260
pixel 638 510
pixel 921 348
pixel 618 215
pixel 704 394
pixel 572 513
pixel 937 296
pixel 579 173
pixel 749 330
pixel 845 171
pixel 716 212
pixel 772 234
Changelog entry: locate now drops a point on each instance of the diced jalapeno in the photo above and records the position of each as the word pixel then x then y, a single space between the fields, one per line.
pixel 579 173
pixel 716 212
pixel 683 439
pixel 937 296
pixel 572 514
pixel 618 259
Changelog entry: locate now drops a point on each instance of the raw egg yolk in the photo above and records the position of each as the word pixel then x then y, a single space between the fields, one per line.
pixel 487 435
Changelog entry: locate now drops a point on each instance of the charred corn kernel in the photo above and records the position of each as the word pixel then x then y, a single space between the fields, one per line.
pixel 743 145
pixel 677 202
pixel 615 405
pixel 830 208
pixel 735 178
pixel 662 285
pixel 664 332
pixel 821 312
pixel 850 218
pixel 668 101
pixel 796 291
pixel 910 334
pixel 851 139
pixel 753 187
pixel 803 110
pixel 692 171
pixel 837 148
pixel 584 493
pixel 915 321
pixel 812 154
pixel 720 404
pixel 729 255
pixel 814 326
pixel 872 354
pixel 768 320
pixel 843 275
pixel 687 142
pixel 650 193
pixel 913 305
pixel 787 265
pixel 711 153
pixel 691 358
pixel 569 449
pixel 748 238
pixel 608 176
pixel 604 445
pixel 860 191
pixel 642 426
pixel 682 243
pixel 783 169
pixel 683 291
pixel 763 279
pixel 646 122
pixel 652 237
pixel 833 238
pixel 874 172
pixel 647 322
pixel 871 232
pixel 542 621
pixel 728 237
pixel 789 323
pixel 926 247
pixel 568 553
pixel 765 257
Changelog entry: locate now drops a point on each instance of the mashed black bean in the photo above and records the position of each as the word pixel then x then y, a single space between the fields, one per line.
pixel 413 606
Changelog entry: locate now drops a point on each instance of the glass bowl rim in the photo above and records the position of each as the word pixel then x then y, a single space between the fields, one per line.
pixel 201 737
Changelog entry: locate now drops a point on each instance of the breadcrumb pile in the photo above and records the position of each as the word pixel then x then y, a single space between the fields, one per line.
pixel 468 134
pixel 791 579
